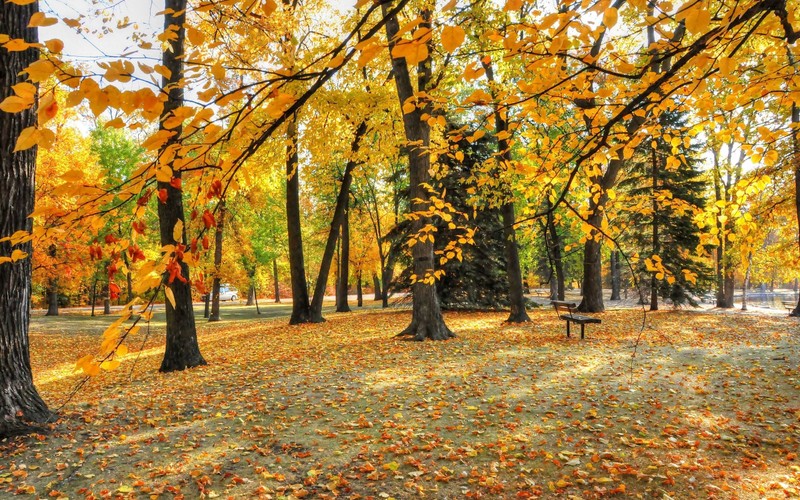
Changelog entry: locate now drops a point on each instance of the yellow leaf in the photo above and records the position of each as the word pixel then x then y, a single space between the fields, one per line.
pixel 610 17
pixel 697 20
pixel 15 104
pixel 449 5
pixel 40 19
pixel 54 45
pixel 217 71
pixel 412 51
pixel 27 139
pixel 196 37
pixel 452 37
pixel 17 45
pixel 512 5
pixel 177 231
pixel 336 61
pixel 170 296
pixel 409 107
pixel 21 2
pixel 110 365
pixel 122 349
pixel 18 255
pixel 25 91
pixel 40 70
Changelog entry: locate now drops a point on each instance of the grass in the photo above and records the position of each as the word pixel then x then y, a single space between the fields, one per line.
pixel 696 405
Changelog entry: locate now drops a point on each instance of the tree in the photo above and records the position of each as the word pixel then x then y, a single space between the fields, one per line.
pixel 182 350
pixel 426 319
pixel 21 408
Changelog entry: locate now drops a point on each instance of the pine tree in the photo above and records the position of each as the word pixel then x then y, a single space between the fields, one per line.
pixel 666 172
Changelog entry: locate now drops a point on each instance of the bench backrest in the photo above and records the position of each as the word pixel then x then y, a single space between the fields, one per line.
pixel 564 307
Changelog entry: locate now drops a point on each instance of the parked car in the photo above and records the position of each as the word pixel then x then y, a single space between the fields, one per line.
pixel 226 293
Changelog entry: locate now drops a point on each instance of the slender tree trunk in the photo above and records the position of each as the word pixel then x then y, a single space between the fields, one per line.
pixel 359 290
pixel 301 309
pixel 426 320
pixel 796 160
pixel 251 296
pixel 207 311
pixel 218 235
pixel 94 295
pixel 376 286
pixel 516 296
pixel 388 276
pixel 746 282
pixel 615 275
pixel 339 216
pixel 275 283
pixel 182 350
pixel 22 410
pixel 555 248
pixel 342 286
pixel 656 243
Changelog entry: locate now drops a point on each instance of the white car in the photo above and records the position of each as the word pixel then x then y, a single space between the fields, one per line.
pixel 226 293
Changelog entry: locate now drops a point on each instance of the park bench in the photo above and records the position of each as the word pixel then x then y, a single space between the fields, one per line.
pixel 789 305
pixel 566 311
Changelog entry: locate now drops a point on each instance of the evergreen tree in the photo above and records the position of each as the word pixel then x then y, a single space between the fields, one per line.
pixel 665 172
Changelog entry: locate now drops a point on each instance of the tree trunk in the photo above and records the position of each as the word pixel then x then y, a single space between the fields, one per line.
pixel 52 297
pixel 106 300
pixel 339 215
pixel 656 243
pixel 342 286
pixel 376 285
pixel 251 296
pixel 516 296
pixel 592 271
pixel 94 295
pixel 388 276
pixel 555 248
pixel 426 319
pixel 217 261
pixel 22 410
pixel 359 290
pixel 301 309
pixel 615 275
pixel 796 160
pixel 182 350
pixel 746 283
pixel 275 283
pixel 207 311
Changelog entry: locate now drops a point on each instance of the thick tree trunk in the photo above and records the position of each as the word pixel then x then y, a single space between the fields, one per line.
pixel 275 283
pixel 218 235
pixel 182 350
pixel 207 305
pixel 426 319
pixel 339 213
pixel 592 272
pixel 106 300
pixel 376 286
pixel 301 309
pixel 22 410
pixel 251 296
pixel 52 297
pixel 615 276
pixel 343 283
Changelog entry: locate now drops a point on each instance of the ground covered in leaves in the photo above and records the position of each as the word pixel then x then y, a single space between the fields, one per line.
pixel 709 406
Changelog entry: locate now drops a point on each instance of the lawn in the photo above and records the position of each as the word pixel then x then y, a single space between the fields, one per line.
pixel 697 404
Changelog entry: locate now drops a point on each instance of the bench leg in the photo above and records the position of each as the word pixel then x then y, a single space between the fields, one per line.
pixel 582 325
pixel 568 329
